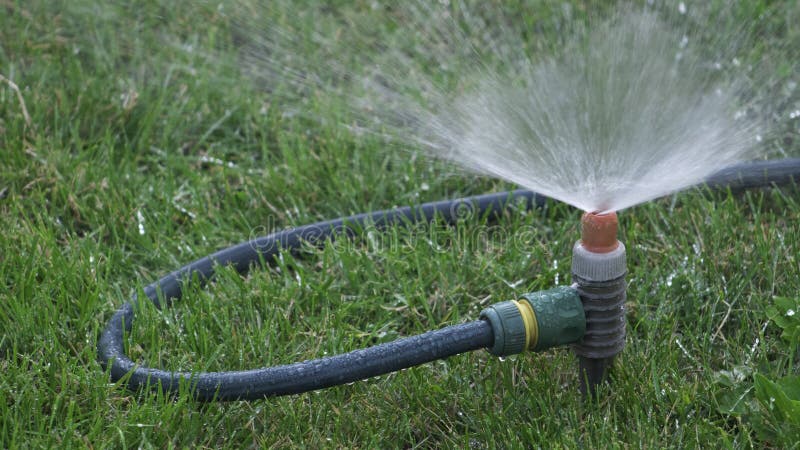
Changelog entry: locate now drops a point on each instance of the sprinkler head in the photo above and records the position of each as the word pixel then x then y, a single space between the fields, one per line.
pixel 599 232
pixel 598 271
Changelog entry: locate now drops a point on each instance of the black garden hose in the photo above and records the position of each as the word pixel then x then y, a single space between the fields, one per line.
pixel 319 373
pixel 757 174
pixel 359 364
pixel 302 376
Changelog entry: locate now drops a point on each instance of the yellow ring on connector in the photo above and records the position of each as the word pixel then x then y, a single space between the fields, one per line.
pixel 531 325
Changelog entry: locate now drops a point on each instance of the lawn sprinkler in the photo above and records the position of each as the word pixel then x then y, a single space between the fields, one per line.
pixel 598 274
pixel 589 314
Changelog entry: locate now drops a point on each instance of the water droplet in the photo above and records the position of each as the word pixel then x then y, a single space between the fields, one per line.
pixel 790 313
pixel 140 221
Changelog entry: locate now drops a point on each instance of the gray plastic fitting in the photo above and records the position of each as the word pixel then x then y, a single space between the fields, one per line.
pixel 600 281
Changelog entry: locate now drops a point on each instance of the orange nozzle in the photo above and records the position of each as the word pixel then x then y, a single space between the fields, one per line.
pixel 599 232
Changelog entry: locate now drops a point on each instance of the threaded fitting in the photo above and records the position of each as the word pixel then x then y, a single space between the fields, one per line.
pixel 538 321
pixel 560 319
pixel 508 326
pixel 600 281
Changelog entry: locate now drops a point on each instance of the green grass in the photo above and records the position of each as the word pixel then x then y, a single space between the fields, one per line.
pixel 91 166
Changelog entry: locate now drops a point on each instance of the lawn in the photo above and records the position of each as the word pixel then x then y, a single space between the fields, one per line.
pixel 132 145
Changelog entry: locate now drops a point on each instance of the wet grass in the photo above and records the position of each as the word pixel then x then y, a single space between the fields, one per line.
pixel 136 157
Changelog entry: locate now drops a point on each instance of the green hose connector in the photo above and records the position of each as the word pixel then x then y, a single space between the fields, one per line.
pixel 537 321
